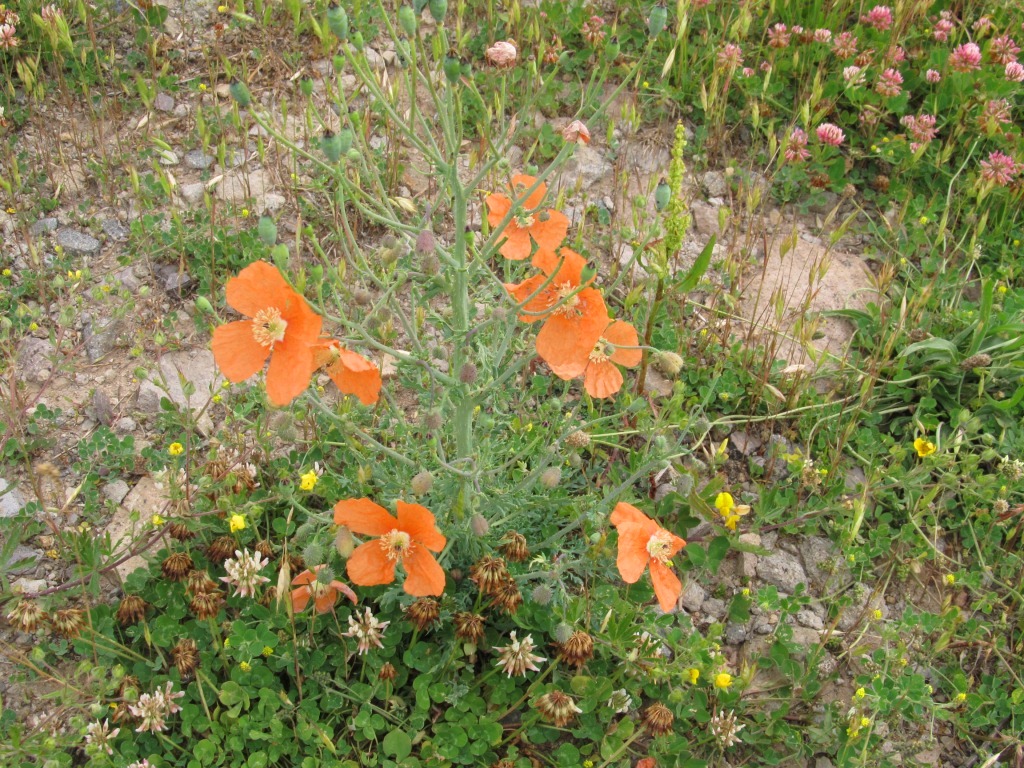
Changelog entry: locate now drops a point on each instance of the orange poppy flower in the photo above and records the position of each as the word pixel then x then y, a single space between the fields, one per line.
pixel 547 227
pixel 601 376
pixel 353 374
pixel 565 270
pixel 570 332
pixel 281 326
pixel 324 596
pixel 643 543
pixel 408 540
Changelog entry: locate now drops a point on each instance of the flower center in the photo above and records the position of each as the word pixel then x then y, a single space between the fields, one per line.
pixel 268 326
pixel 599 354
pixel 318 589
pixel 524 221
pixel 568 303
pixel 396 544
pixel 659 546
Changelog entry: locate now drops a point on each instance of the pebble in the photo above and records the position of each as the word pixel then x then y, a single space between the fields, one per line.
pixel 115 229
pixel 11 502
pixel 163 102
pixel 43 226
pixel 198 160
pixel 77 243
pixel 782 570
pixel 116 490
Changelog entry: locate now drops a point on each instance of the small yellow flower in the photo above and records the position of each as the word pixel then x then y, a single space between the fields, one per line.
pixel 202 87
pixel 745 591
pixel 860 693
pixel 53 554
pixel 10 209
pixel 157 521
pixel 217 398
pixel 245 666
pixel 904 661
pixel 923 220
pixel 7 273
pixel 227 642
pixel 1001 289
pixel 175 449
pixel 865 722
pixel 309 481
pixel 694 674
pixel 876 614
pixel 723 680
pixel 267 651
pixel 237 522
pixel 646 84
pixel 245 213
pixel 874 147
pixel 950 579
pixel 588 764
pixel 851 559
pixel 1016 243
pixel 885 139
pixel 33 326
pixel 222 9
pixel 724 503
pixel 961 697
pixel 924 447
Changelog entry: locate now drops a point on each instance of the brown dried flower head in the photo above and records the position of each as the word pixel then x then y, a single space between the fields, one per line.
pixel 180 532
pixel 185 655
pixel 387 671
pixel 469 626
pixel 423 612
pixel 658 719
pixel 199 581
pixel 514 547
pixel 221 549
pixel 508 597
pixel 557 708
pixel 265 548
pixel 27 616
pixel 67 623
pixel 577 650
pixel 176 566
pixel 489 573
pixel 577 439
pixel 205 605
pixel 502 54
pixel 132 610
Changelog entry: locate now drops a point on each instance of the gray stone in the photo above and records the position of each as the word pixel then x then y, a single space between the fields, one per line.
pixel 714 607
pixel 747 565
pixel 116 491
pixel 100 408
pixel 148 399
pixel 100 335
pixel 163 102
pixel 854 479
pixel 823 561
pixel 763 627
pixel 239 187
pixel 587 166
pixel 744 443
pixel 808 618
pixel 693 596
pixel 27 586
pixel 127 278
pixel 198 160
pixel 715 184
pixel 77 243
pixel 125 425
pixel 781 570
pixel 735 633
pixel 374 59
pixel 43 226
pixel 35 359
pixel 192 193
pixel 168 158
pixel 824 203
pixel 21 560
pixel 272 202
pixel 195 367
pixel 175 282
pixel 862 607
pixel 130 519
pixel 823 762
pixel 182 110
pixel 115 229
pixel 11 502
pixel 805 636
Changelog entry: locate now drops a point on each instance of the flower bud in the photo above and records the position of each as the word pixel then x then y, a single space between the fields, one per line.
pixel 551 477
pixel 657 20
pixel 425 243
pixel 330 145
pixel 662 195
pixel 452 69
pixel 313 554
pixel 203 304
pixel 576 131
pixel 541 594
pixel 364 474
pixel 267 230
pixel 344 543
pixel 422 483
pixel 438 9
pixel 407 20
pixel 337 20
pixel 345 137
pixel 669 363
pixel 468 373
pixel 432 421
pixel 240 93
pixel 479 525
pixel 562 632
pixel 430 265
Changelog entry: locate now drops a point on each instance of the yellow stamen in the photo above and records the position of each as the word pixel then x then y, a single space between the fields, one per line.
pixel 396 544
pixel 599 354
pixel 659 546
pixel 268 326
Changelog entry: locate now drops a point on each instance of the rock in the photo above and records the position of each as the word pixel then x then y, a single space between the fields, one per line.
pixel 862 607
pixel 144 500
pixel 808 618
pixel 805 637
pixel 823 561
pixel 192 193
pixel 693 596
pixel 239 187
pixel 174 282
pixel 854 479
pixel 148 399
pixel 823 762
pixel 747 565
pixel 198 160
pixel 43 226
pixel 168 158
pixel 824 202
pixel 182 110
pixel 127 278
pixel 587 166
pixel 781 570
pixel 374 59
pixel 657 385
pixel 272 202
pixel 77 243
pixel 715 184
pixel 116 491
pixel 26 586
pixel 744 443
pixel 195 367
pixel 11 502
pixel 714 607
pixel 100 335
pixel 35 359
pixel 100 408
pixel 735 633
pixel 21 560
pixel 163 102
pixel 125 425
pixel 115 229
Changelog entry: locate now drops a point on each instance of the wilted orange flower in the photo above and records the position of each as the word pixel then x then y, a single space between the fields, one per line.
pixel 404 540
pixel 281 326
pixel 547 227
pixel 352 374
pixel 643 542
pixel 502 54
pixel 576 131
pixel 601 376
pixel 324 596
pixel 565 270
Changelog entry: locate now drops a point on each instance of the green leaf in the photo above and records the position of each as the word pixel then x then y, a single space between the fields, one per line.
pixel 205 751
pixel 700 266
pixel 717 550
pixel 398 745
pixel 257 760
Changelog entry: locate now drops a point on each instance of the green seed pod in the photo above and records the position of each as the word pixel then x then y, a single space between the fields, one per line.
pixel 438 9
pixel 203 305
pixel 313 554
pixel 330 145
pixel 240 93
pixel 612 48
pixel 345 137
pixel 353 155
pixel 306 86
pixel 662 195
pixel 407 20
pixel 358 41
pixel 267 230
pixel 465 68
pixel 279 253
pixel 657 20
pixel 422 483
pixel 452 69
pixel 337 20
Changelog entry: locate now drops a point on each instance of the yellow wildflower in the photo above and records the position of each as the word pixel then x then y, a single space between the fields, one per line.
pixel 723 680
pixel 694 674
pixel 309 481
pixel 175 449
pixel 157 521
pixel 245 666
pixel 924 447
pixel 860 693
pixel 950 579
pixel 237 522
pixel 267 650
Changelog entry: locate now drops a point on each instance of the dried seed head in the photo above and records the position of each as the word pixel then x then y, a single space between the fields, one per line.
pixel 542 594
pixel 514 547
pixel 980 360
pixel 508 597
pixel 132 610
pixel 577 650
pixel 199 581
pixel 67 623
pixel 469 626
pixel 361 297
pixel 185 655
pixel 27 616
pixel 221 549
pixel 268 597
pixel 387 671
pixel 551 477
pixel 423 612
pixel 422 483
pixel 206 605
pixel 557 708
pixel 658 719
pixel 489 573
pixel 668 363
pixel 577 439
pixel 432 420
pixel 468 373
pixel 479 525
pixel 177 566
pixel 265 548
pixel 425 243
pixel 180 532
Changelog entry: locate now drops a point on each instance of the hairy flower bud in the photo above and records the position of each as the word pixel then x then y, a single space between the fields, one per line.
pixel 479 525
pixel 240 93
pixel 577 439
pixel 542 594
pixel 422 483
pixel 267 230
pixel 551 477
pixel 407 20
pixel 980 360
pixel 337 20
pixel 668 363
pixel 425 243
pixel 432 420
pixel 468 373
pixel 313 553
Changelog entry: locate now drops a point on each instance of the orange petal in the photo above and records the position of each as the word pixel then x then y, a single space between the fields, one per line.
pixel 549 229
pixel 306 577
pixel 632 557
pixel 565 343
pixel 622 334
pixel 300 599
pixel 541 302
pixel 602 379
pixel 364 517
pixel 666 585
pixel 517 245
pixel 355 375
pixel 326 601
pixel 627 513
pixel 369 566
pixel 498 207
pixel 571 269
pixel 291 368
pixel 418 522
pixel 256 287
pixel 520 183
pixel 423 575
pixel 346 590
pixel 236 351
